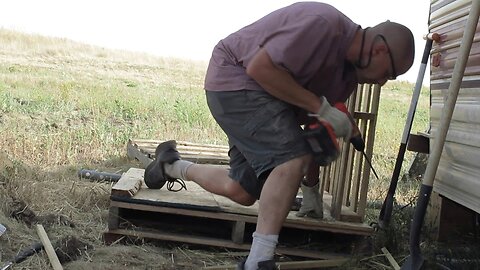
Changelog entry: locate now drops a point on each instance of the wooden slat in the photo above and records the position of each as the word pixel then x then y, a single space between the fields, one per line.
pixel 150 149
pixel 144 151
pixel 390 259
pixel 312 264
pixel 47 246
pixel 238 232
pixel 168 236
pixel 362 204
pixel 129 184
pixel 180 144
pixel 292 221
pixel 134 152
pixel 113 218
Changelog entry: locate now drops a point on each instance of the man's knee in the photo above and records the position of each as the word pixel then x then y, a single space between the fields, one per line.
pixel 238 194
pixel 297 165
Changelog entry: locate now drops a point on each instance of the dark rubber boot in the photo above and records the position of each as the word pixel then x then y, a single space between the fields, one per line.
pixel 155 176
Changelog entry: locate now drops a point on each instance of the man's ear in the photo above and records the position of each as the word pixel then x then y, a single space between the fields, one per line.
pixel 379 48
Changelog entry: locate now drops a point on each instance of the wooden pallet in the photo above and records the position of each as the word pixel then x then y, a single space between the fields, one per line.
pixel 196 216
pixel 144 151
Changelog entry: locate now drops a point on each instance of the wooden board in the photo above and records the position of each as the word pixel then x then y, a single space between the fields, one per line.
pixel 144 151
pixel 220 243
pixel 311 264
pixel 194 196
pixel 129 184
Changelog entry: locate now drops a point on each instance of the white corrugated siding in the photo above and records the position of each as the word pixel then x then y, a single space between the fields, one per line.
pixel 458 174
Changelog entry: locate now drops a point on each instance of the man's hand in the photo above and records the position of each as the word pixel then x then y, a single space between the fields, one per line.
pixel 339 120
pixel 312 203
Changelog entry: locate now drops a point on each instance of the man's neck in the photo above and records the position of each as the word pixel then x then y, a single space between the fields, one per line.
pixel 354 50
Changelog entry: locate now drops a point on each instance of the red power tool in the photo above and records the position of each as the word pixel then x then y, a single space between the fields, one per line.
pixel 323 142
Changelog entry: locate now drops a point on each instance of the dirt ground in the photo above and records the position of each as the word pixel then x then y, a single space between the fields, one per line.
pixel 74 213
pixel 30 197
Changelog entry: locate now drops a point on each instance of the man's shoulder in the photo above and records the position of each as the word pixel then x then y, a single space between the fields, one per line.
pixel 317 11
pixel 313 8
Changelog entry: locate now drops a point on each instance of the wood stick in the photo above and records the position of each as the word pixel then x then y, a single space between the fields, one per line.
pixel 47 245
pixel 292 265
pixel 390 259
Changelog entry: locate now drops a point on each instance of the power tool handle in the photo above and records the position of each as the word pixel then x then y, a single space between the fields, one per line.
pixel 356 140
pixel 358 143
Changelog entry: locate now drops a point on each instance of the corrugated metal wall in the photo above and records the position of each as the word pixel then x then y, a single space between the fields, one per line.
pixel 458 175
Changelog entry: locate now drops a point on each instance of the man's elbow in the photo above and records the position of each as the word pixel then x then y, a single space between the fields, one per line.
pixel 260 63
pixel 253 69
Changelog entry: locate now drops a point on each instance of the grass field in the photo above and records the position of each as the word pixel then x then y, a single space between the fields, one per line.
pixel 66 106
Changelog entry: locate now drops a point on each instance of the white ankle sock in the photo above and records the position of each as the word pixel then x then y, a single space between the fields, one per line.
pixel 178 169
pixel 263 249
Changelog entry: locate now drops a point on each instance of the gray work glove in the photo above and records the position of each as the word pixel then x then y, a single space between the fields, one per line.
pixel 337 119
pixel 312 204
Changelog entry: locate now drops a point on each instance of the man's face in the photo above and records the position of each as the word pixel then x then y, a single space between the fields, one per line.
pixel 381 66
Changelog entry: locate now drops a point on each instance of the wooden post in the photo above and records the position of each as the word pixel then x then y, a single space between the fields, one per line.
pixel 369 151
pixel 238 231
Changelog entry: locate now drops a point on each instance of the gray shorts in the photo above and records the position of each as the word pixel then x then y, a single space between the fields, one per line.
pixel 263 132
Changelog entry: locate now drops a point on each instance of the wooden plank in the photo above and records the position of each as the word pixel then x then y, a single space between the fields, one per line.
pixel 150 141
pixel 418 143
pixel 312 264
pixel 144 150
pixel 129 184
pixel 47 245
pixel 390 259
pixel 226 205
pixel 364 115
pixel 362 204
pixel 200 240
pixel 292 221
pixel 194 196
pixel 150 148
pixel 238 232
pixel 181 211
pixel 144 154
pixel 113 217
pixel 134 152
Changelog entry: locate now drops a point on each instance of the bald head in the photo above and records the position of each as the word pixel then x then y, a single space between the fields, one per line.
pixel 401 42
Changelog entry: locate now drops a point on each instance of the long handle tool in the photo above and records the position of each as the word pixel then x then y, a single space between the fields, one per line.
pixel 23 255
pixel 386 211
pixel 415 260
pixel 99 176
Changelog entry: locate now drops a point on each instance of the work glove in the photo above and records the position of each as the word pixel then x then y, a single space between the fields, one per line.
pixel 312 203
pixel 341 124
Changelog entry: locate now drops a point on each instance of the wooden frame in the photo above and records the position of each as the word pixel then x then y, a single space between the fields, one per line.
pixel 347 178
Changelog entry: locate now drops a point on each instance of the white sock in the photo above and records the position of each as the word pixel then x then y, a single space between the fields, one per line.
pixel 263 249
pixel 178 169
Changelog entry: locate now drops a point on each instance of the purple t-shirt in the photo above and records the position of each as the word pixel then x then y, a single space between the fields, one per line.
pixel 308 39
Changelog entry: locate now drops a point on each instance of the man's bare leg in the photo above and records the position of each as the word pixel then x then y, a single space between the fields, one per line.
pixel 212 178
pixel 276 199
pixel 215 179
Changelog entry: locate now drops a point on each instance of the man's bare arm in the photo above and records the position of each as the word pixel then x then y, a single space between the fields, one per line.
pixel 280 84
